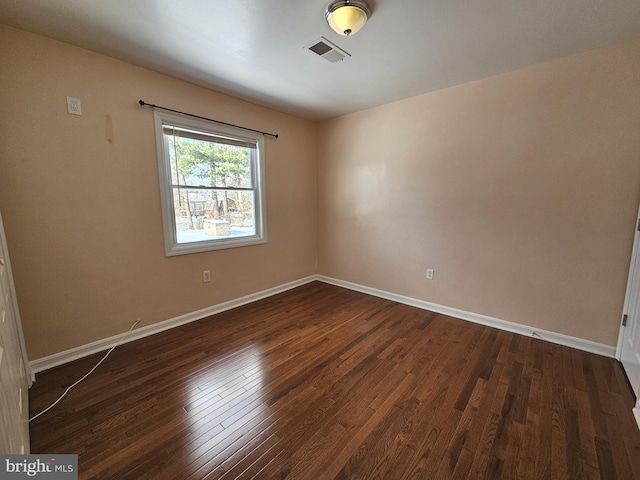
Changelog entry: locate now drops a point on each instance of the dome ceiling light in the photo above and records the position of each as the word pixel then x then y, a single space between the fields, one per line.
pixel 346 17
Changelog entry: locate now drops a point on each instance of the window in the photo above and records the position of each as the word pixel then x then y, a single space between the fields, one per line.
pixel 211 185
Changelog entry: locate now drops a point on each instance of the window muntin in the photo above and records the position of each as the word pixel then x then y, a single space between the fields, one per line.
pixel 211 185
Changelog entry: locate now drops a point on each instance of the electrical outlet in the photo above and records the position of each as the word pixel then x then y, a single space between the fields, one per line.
pixel 429 273
pixel 74 106
pixel 206 276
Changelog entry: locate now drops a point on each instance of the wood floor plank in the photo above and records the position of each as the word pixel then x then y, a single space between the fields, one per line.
pixel 323 382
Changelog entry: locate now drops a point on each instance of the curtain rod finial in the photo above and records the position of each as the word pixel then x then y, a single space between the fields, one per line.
pixel 141 102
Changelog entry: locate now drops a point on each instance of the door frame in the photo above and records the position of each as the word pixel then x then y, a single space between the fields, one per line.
pixel 635 254
pixel 14 299
pixel 627 296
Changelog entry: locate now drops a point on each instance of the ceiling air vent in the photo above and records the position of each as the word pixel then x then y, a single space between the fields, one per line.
pixel 327 50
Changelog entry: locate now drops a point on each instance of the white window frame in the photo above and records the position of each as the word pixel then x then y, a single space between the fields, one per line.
pixel 172 247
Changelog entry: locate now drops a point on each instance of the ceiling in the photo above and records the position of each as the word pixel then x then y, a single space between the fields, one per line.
pixel 255 49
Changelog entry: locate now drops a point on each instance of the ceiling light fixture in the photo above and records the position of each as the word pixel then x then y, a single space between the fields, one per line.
pixel 346 17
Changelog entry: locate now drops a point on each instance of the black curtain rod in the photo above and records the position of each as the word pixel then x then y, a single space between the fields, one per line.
pixel 143 103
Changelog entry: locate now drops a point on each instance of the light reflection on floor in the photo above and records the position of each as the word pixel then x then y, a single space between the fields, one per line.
pixel 224 399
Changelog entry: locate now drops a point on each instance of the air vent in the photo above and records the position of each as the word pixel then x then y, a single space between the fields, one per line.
pixel 327 50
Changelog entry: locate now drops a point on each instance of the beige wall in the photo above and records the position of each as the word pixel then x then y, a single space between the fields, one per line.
pixel 83 215
pixel 520 190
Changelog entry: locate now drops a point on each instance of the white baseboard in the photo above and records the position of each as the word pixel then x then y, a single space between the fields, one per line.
pixel 67 356
pixel 566 340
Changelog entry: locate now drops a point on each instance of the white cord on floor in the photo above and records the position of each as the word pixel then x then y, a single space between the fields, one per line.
pixel 88 373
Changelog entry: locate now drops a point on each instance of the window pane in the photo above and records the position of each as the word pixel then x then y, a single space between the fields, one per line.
pixel 198 162
pixel 211 185
pixel 202 214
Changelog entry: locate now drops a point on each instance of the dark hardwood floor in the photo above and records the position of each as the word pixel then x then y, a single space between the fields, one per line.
pixel 322 382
